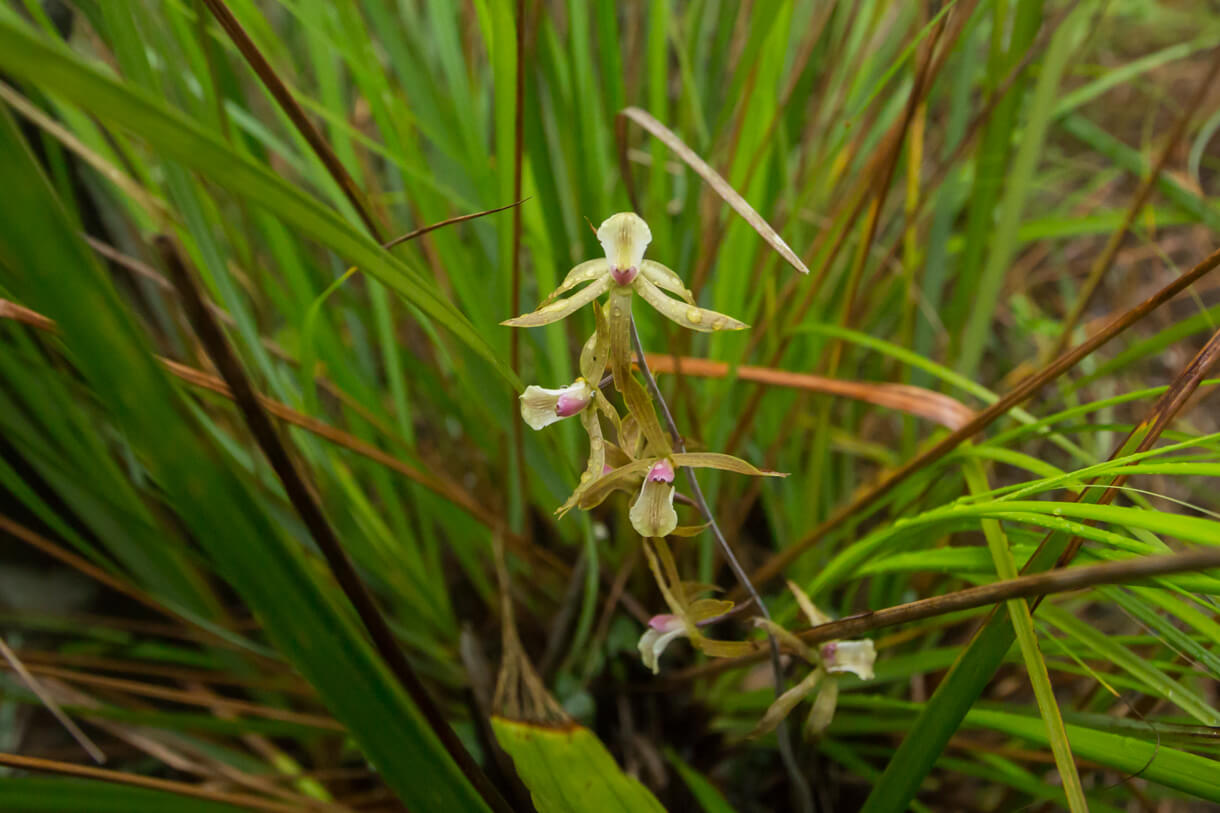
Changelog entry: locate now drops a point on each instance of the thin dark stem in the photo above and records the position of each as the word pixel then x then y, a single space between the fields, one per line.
pixel 800 786
pixel 296 114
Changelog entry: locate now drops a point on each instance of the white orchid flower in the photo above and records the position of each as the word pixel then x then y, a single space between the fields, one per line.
pixel 831 659
pixel 542 407
pixel 624 237
pixel 662 630
pixel 652 513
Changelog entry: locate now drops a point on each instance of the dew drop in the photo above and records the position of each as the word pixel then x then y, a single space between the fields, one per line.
pixel 694 316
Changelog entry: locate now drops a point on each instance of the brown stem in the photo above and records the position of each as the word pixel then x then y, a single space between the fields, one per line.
pixel 1032 586
pixel 296 114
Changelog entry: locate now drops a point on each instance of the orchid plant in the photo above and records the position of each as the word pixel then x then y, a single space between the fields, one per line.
pixel 632 453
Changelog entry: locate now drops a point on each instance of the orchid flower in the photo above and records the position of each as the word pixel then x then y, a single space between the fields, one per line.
pixel 624 237
pixel 687 614
pixel 831 659
pixel 542 407
pixel 652 513
pixel 664 629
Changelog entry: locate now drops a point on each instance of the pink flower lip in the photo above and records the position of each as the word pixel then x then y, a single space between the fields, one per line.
pixel 624 276
pixel 661 472
pixel 829 650
pixel 665 622
pixel 568 405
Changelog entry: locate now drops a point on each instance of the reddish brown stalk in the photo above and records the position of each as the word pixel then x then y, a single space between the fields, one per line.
pixel 1018 395
pixel 1035 585
pixel 924 403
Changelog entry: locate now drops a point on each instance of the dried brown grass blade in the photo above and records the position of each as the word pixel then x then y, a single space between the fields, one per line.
pixel 923 403
pixel 711 176
pixel 243 800
pixel 82 739
pixel 156 691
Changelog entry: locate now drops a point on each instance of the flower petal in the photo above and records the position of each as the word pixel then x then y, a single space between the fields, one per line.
pixel 639 404
pixel 542 407
pixel 786 702
pixel 624 236
pixel 630 438
pixel 823 710
pixel 715 460
pixel 653 512
pixel 665 278
pixel 597 460
pixel 690 590
pixel 816 617
pixel 722 649
pixel 856 657
pixel 705 609
pixel 653 643
pixel 584 272
pixel 554 311
pixel 599 489
pixel 690 530
pixel 688 316
pixel 787 639
pixel 618 325
pixel 596 352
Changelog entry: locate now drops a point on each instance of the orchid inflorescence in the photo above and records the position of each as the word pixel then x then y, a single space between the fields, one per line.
pixel 641 460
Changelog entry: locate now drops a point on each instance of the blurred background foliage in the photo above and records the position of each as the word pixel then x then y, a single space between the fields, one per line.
pixel 975 187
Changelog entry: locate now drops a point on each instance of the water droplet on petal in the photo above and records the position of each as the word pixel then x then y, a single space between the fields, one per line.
pixel 694 316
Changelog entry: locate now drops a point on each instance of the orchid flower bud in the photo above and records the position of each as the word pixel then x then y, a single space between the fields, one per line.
pixel 542 407
pixel 653 513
